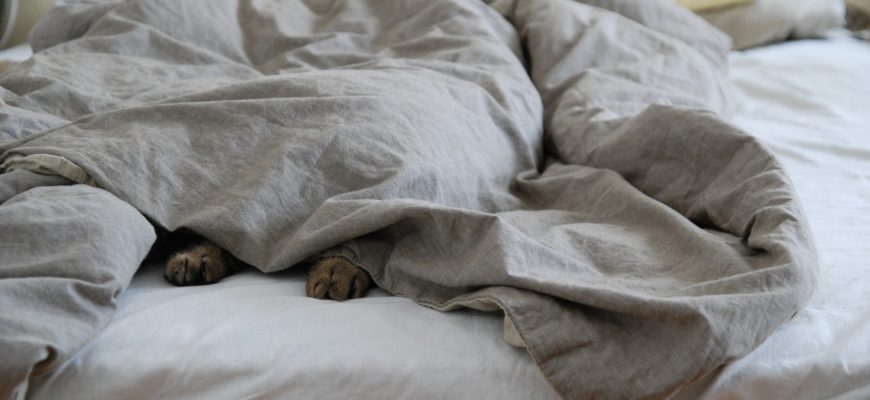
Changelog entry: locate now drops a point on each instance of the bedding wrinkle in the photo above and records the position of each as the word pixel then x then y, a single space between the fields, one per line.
pixel 543 158
pixel 820 347
pixel 82 295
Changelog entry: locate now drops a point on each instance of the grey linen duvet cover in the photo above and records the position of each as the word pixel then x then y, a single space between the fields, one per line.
pixel 566 162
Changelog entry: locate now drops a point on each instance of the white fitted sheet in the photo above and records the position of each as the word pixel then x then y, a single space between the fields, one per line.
pixel 809 101
pixel 14 55
pixel 220 341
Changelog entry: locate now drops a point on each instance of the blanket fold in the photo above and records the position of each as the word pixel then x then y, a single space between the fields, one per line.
pixel 567 162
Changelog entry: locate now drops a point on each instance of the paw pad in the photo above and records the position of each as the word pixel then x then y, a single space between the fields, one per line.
pixel 338 279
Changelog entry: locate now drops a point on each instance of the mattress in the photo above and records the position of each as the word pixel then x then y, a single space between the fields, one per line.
pixel 806 100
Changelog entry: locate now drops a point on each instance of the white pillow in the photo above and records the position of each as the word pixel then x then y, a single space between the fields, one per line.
pixel 768 21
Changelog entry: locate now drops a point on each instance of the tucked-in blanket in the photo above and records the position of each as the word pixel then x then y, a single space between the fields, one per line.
pixel 566 162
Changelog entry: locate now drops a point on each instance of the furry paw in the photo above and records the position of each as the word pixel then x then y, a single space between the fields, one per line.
pixel 203 263
pixel 337 278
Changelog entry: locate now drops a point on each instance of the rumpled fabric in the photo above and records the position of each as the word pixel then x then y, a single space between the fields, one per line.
pixel 567 162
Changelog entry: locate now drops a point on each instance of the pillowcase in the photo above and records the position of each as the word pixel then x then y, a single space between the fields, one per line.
pixel 768 21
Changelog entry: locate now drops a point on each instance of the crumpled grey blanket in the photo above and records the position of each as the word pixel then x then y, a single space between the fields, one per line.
pixel 563 161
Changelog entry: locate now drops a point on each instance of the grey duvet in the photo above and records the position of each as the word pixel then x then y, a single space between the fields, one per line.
pixel 566 162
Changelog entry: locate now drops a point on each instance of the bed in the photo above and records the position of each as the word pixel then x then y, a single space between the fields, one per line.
pixel 805 100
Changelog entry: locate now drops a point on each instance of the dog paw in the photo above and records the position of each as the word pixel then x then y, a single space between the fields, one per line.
pixel 200 264
pixel 338 279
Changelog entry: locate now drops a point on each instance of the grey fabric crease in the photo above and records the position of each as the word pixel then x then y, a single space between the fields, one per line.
pixel 566 162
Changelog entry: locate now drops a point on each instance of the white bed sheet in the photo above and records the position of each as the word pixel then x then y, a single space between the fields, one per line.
pixel 258 336
pixel 810 102
pixel 13 55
